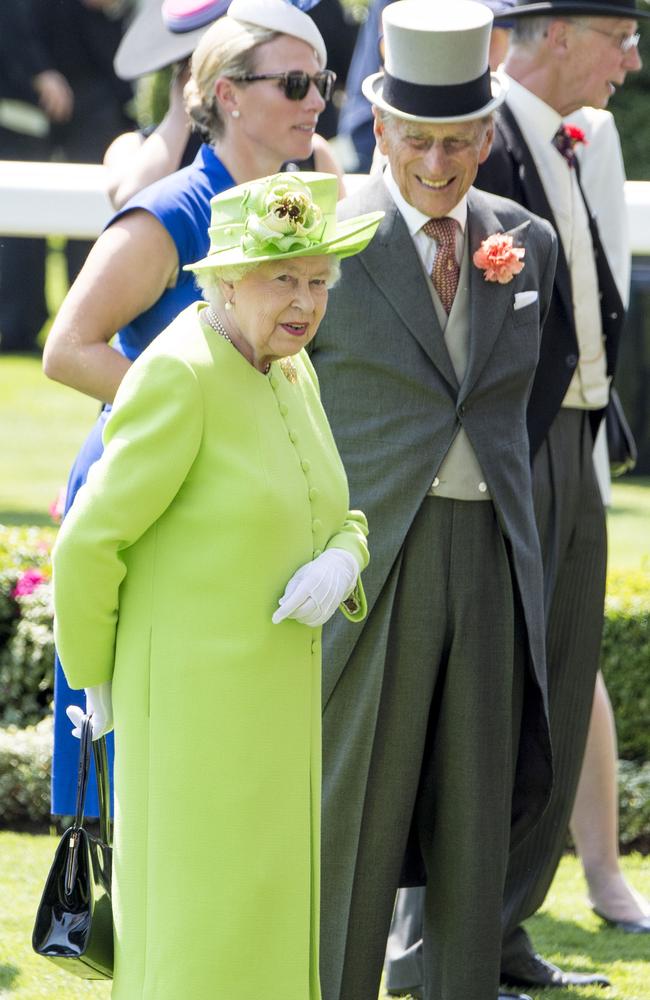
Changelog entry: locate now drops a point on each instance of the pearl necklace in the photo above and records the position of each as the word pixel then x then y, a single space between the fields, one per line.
pixel 213 320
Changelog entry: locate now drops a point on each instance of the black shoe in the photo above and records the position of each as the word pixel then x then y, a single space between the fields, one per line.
pixel 416 993
pixel 533 970
pixel 641 926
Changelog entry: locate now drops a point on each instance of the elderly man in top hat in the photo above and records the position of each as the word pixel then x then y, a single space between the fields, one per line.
pixel 425 365
pixel 355 121
pixel 563 54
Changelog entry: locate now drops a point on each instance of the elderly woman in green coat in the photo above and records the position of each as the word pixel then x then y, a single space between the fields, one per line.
pixel 191 578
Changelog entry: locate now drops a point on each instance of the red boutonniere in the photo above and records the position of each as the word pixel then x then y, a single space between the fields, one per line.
pixel 499 258
pixel 566 139
pixel 575 134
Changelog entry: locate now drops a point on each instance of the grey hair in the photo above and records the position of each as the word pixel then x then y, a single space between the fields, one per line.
pixel 227 49
pixel 209 281
pixel 529 31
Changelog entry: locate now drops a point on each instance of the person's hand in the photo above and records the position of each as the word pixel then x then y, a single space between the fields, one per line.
pixel 315 591
pixel 99 707
pixel 180 76
pixel 54 95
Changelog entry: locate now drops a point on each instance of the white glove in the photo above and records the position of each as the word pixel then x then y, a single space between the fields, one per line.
pixel 315 591
pixel 98 706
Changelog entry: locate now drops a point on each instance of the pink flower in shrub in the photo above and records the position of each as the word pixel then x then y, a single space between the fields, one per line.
pixel 28 582
pixel 57 506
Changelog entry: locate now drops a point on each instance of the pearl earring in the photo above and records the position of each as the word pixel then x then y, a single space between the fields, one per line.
pixel 234 114
pixel 228 306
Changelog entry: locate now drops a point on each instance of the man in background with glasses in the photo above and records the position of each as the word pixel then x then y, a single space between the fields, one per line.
pixel 566 54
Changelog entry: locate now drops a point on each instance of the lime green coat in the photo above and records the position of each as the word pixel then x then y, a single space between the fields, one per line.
pixel 216 484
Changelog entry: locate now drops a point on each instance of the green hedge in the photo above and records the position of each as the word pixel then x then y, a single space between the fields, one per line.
pixel 26 758
pixel 625 661
pixel 629 105
pixel 25 766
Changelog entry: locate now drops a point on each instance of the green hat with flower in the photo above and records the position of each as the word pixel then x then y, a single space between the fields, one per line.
pixel 285 215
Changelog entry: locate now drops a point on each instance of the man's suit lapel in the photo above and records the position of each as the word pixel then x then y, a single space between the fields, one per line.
pixel 392 263
pixel 489 301
pixel 535 195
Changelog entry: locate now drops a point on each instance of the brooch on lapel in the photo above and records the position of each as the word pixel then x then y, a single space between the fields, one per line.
pixel 288 370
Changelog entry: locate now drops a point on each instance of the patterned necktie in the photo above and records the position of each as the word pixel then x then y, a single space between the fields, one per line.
pixel 445 267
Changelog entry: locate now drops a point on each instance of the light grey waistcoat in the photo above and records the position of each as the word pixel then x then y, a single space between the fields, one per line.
pixel 460 474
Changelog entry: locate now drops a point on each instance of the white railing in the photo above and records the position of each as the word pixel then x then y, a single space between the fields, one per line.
pixel 637 199
pixel 69 199
pixel 52 199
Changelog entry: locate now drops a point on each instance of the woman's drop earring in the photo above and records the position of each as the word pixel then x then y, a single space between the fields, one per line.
pixel 228 306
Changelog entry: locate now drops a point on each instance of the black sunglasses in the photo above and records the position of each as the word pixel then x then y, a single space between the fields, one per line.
pixel 295 84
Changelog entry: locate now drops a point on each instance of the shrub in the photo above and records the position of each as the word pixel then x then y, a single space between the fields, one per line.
pixel 26 760
pixel 25 765
pixel 26 638
pixel 625 660
pixel 634 797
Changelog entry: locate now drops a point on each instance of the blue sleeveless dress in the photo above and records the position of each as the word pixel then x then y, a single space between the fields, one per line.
pixel 181 203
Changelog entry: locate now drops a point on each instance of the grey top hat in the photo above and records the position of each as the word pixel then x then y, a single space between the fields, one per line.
pixel 582 8
pixel 436 65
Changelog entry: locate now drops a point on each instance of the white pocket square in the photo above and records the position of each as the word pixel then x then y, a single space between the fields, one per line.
pixel 525 299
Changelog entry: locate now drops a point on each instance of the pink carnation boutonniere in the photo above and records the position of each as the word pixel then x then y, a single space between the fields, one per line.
pixel 499 258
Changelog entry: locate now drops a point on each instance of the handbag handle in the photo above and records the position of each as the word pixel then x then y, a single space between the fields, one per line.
pixel 85 741
pixel 103 790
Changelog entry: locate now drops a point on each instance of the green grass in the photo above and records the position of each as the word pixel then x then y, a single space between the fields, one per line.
pixel 628 525
pixel 24 863
pixel 42 425
pixel 565 931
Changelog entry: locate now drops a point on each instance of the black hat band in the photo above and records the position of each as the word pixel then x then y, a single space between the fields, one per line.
pixel 437 101
pixel 589 8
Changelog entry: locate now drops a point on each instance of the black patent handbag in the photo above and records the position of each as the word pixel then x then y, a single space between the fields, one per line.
pixel 74 920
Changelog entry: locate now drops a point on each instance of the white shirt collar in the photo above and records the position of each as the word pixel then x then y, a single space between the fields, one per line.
pixel 412 216
pixel 538 120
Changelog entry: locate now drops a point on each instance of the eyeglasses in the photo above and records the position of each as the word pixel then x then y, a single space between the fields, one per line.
pixel 296 83
pixel 624 42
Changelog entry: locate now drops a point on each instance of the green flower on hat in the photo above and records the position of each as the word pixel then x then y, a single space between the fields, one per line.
pixel 281 217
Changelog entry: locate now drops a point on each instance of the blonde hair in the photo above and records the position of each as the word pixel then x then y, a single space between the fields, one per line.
pixel 227 49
